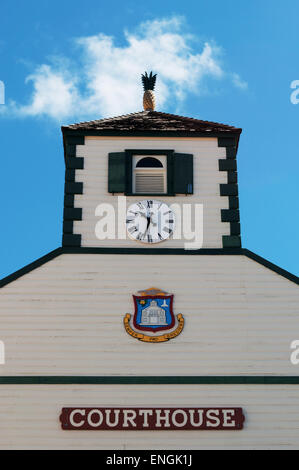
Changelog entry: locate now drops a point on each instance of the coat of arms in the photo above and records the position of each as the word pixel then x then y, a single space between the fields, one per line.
pixel 153 316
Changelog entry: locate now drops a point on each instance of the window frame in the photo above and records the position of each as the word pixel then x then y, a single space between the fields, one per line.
pixel 144 152
pixel 160 170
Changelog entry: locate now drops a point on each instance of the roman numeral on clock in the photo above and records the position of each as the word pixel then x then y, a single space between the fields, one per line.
pixel 150 221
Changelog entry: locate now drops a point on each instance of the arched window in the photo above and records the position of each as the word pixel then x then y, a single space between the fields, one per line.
pixel 149 174
pixel 149 162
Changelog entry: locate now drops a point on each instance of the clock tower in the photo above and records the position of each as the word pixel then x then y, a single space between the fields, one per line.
pixel 170 170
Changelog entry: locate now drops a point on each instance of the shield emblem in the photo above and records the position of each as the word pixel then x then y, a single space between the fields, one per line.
pixel 153 311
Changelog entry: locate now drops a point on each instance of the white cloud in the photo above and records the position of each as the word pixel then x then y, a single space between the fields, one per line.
pixel 105 79
pixel 53 95
pixel 238 82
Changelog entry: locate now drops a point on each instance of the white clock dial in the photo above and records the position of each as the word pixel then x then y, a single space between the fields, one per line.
pixel 150 221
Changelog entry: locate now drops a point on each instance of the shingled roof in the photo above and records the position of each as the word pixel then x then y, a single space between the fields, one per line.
pixel 153 121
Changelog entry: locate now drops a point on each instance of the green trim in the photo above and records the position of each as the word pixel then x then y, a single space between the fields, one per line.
pixel 170 173
pixel 70 142
pixel 230 215
pixel 231 144
pixel 235 228
pixel 149 151
pixel 67 132
pixel 73 188
pixel 148 251
pixel 68 226
pixel 75 162
pixel 227 142
pixel 75 138
pixel 231 241
pixel 30 267
pixel 269 265
pixel 69 200
pixel 228 190
pixel 172 162
pixel 227 165
pixel 152 251
pixel 72 213
pixel 70 152
pixel 117 174
pixel 232 177
pixel 129 170
pixel 70 239
pixel 183 179
pixel 150 194
pixel 231 152
pixel 70 174
pixel 233 202
pixel 151 380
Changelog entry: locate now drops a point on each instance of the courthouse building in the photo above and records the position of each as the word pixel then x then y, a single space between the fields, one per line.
pixel 140 339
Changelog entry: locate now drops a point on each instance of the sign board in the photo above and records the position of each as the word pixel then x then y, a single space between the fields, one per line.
pixel 126 419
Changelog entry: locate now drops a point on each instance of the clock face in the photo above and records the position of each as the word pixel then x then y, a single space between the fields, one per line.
pixel 150 221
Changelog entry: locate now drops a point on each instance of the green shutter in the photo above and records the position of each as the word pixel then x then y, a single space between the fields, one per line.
pixel 183 173
pixel 117 172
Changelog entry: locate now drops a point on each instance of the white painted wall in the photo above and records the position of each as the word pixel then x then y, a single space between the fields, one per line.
pixel 66 317
pixel 207 178
pixel 30 416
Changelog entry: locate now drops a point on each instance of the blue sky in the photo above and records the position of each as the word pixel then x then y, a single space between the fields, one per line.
pixel 231 62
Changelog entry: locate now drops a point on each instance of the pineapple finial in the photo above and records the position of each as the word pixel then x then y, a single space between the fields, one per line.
pixel 149 82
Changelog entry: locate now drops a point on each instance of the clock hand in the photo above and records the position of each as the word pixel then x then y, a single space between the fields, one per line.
pixel 145 231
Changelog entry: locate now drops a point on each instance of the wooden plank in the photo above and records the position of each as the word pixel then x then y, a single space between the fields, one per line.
pixel 67 315
pixel 30 416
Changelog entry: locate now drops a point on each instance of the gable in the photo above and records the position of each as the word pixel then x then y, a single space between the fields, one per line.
pixel 240 317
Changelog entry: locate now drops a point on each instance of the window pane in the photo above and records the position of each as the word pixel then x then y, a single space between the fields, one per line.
pixel 149 162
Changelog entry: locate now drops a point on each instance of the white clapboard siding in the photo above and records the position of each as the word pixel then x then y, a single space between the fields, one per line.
pixel 30 416
pixel 66 317
pixel 207 179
